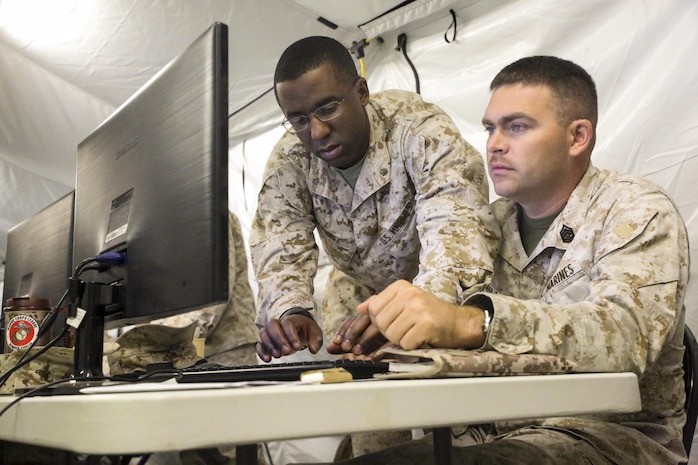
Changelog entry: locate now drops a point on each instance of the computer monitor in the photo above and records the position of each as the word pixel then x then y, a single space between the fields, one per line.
pixel 152 183
pixel 39 255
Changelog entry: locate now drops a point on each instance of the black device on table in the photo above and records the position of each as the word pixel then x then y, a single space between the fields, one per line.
pixel 206 372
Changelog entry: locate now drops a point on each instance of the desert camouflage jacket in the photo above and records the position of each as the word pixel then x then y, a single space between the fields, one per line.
pixel 604 288
pixel 418 211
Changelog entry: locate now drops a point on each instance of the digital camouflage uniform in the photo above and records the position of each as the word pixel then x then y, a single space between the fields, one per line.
pixel 604 288
pixel 419 203
pixel 53 365
pixel 342 295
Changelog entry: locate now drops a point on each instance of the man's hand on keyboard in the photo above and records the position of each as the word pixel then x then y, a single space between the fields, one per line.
pixel 287 335
pixel 412 318
pixel 357 336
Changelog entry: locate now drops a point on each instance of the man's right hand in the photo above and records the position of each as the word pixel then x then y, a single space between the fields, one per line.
pixel 288 335
pixel 357 336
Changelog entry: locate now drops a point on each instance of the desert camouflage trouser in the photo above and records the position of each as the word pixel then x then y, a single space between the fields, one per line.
pixel 531 446
pixel 464 435
pixel 342 295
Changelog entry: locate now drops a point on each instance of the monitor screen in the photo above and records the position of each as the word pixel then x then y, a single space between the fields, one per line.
pixel 152 181
pixel 39 254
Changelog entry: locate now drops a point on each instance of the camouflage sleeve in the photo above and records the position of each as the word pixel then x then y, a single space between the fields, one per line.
pixel 456 228
pixel 235 326
pixel 621 313
pixel 282 244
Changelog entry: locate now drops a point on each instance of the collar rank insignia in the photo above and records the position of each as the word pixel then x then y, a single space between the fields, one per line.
pixel 566 234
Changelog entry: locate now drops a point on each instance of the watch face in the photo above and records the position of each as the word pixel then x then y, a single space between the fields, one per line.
pixel 487 321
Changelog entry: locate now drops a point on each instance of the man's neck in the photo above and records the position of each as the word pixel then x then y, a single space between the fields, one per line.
pixel 351 174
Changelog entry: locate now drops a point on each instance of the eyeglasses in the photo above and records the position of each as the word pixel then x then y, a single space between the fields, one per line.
pixel 324 113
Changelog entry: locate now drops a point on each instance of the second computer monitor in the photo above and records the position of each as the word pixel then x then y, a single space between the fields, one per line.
pixel 39 255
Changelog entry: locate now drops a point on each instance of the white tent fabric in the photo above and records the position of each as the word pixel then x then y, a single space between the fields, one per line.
pixel 67 64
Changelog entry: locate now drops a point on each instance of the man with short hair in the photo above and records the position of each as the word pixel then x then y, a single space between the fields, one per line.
pixel 593 267
pixel 387 182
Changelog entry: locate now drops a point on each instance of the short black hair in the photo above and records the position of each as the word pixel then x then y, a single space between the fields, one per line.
pixel 310 53
pixel 570 84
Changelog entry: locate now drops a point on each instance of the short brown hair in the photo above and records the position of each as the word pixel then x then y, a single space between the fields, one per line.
pixel 571 85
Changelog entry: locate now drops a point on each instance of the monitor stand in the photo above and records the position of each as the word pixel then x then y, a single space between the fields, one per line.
pixel 90 304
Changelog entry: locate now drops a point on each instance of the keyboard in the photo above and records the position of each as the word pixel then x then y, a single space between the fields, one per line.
pixel 290 371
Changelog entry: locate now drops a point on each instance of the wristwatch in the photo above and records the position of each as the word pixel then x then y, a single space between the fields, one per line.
pixel 486 322
pixel 297 311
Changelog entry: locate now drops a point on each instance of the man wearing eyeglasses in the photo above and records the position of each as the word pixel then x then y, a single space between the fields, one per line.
pixel 387 181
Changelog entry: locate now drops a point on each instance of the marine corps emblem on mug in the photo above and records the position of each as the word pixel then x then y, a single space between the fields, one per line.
pixel 21 331
pixel 23 317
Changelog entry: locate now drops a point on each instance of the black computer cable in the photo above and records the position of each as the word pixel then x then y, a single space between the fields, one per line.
pixel 29 394
pixel 106 260
pixel 37 390
pixel 50 318
pixel 24 361
pixel 267 453
pixel 98 262
pixel 33 392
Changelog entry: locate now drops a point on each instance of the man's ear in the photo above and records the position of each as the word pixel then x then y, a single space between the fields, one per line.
pixel 581 136
pixel 362 91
